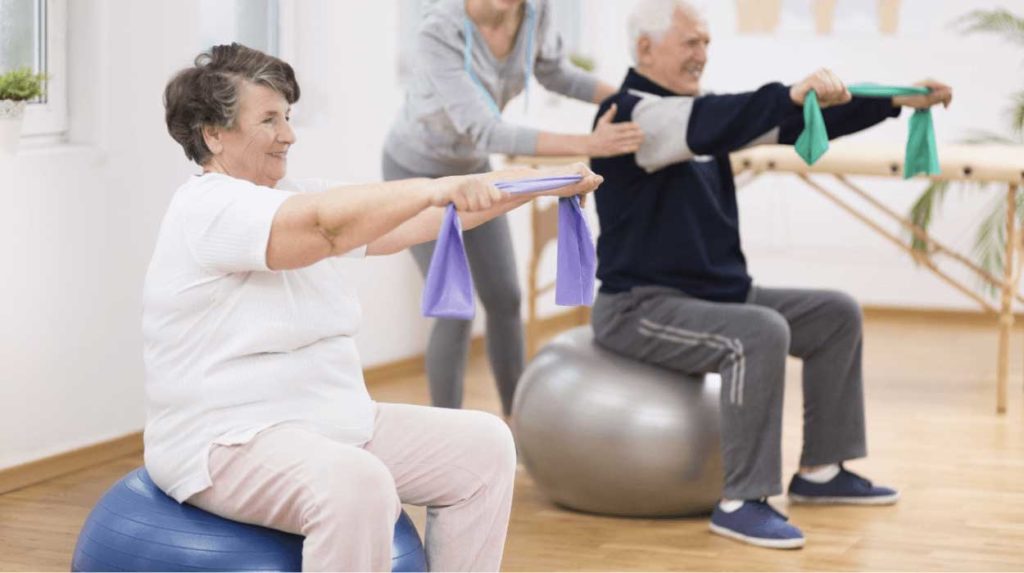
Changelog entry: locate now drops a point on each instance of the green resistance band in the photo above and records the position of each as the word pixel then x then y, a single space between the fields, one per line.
pixel 921 155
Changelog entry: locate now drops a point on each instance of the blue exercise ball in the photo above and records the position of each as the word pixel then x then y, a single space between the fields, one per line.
pixel 137 527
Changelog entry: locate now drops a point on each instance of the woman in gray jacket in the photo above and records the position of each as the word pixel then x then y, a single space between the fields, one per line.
pixel 473 56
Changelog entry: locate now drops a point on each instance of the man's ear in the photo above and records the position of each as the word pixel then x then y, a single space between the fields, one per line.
pixel 643 49
pixel 211 136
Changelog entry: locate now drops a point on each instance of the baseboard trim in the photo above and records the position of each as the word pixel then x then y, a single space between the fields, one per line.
pixel 30 473
pixel 962 316
pixel 57 465
pixel 395 369
pixel 414 365
pixel 411 366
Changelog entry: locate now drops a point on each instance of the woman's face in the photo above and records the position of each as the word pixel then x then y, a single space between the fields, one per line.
pixel 256 148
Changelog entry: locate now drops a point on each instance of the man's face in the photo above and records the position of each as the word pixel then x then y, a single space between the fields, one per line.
pixel 676 61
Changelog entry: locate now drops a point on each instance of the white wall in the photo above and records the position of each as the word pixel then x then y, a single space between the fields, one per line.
pixel 78 221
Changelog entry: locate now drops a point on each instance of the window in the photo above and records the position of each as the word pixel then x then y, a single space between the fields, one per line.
pixel 22 26
pixel 33 34
pixel 253 23
pixel 568 16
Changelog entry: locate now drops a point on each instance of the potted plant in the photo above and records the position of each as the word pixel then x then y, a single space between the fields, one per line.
pixel 16 88
pixel 990 235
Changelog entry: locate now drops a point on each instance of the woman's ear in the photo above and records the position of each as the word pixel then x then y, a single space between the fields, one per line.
pixel 211 136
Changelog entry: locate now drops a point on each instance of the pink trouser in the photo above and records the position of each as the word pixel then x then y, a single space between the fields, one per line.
pixel 345 499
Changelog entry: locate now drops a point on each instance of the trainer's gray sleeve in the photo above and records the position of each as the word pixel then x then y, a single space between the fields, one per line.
pixel 665 121
pixel 440 54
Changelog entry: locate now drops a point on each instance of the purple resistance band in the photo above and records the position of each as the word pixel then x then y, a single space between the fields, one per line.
pixel 448 292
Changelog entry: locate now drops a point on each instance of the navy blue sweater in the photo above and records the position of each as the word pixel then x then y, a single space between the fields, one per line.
pixel 679 226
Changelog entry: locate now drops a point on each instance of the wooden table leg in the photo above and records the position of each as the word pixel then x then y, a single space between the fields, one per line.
pixel 1006 307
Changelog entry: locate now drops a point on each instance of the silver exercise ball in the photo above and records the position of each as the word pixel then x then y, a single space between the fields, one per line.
pixel 605 434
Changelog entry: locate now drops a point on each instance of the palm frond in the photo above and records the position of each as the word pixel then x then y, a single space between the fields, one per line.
pixel 990 238
pixel 923 211
pixel 990 242
pixel 978 136
pixel 1017 113
pixel 999 21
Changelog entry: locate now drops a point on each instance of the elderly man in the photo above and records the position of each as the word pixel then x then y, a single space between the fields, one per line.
pixel 674 285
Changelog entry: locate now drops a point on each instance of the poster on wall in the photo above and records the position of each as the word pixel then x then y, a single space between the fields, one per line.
pixel 821 17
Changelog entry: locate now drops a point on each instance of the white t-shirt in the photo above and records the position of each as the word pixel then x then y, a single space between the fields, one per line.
pixel 231 347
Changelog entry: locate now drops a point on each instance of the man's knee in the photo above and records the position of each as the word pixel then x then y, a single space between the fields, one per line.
pixel 845 310
pixel 768 331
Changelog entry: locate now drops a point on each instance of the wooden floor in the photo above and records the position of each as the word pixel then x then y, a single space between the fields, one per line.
pixel 933 433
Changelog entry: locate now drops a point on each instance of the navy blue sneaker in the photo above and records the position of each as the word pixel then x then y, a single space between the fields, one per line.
pixel 846 488
pixel 757 523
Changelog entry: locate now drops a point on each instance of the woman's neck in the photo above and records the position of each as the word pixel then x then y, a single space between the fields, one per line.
pixel 483 14
pixel 214 166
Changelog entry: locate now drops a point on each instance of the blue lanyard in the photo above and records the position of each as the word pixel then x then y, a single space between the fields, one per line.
pixel 467 56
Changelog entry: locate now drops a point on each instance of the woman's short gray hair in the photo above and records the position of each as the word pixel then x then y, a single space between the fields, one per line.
pixel 652 18
pixel 207 93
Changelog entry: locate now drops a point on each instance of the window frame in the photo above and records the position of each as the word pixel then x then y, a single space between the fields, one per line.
pixel 49 118
pixel 271 30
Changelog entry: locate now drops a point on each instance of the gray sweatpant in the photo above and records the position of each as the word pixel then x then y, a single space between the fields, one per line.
pixel 493 266
pixel 747 344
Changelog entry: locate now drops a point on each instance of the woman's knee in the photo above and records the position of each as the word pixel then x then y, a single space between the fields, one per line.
pixel 492 447
pixel 452 331
pixel 361 489
pixel 502 300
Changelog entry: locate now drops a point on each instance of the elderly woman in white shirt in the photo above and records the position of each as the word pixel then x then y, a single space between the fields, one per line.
pixel 257 408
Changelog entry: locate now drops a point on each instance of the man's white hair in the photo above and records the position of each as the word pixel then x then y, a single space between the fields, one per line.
pixel 652 18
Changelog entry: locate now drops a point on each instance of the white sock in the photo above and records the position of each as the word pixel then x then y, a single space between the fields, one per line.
pixel 823 474
pixel 730 505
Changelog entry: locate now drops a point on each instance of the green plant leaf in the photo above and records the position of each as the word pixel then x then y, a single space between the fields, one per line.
pixel 21 84
pixel 1017 114
pixel 585 63
pixel 990 241
pixel 976 136
pixel 922 213
pixel 990 237
pixel 999 21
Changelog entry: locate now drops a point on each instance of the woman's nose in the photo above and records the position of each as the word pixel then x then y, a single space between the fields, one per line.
pixel 286 134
